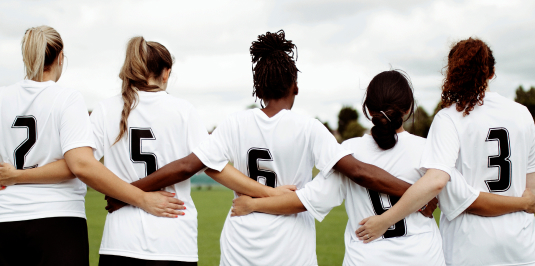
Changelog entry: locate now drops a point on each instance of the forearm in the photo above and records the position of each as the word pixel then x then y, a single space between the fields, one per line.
pixel 51 173
pixel 287 203
pixel 172 173
pixel 417 195
pixel 488 204
pixel 232 178
pixel 372 177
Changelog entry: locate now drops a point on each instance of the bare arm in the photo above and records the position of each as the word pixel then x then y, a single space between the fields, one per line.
pixel 372 177
pixel 287 203
pixel 93 173
pixel 488 204
pixel 51 173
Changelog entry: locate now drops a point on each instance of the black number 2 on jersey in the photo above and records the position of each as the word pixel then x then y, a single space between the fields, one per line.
pixel 137 135
pixel 254 155
pixel 30 123
pixel 503 183
pixel 400 228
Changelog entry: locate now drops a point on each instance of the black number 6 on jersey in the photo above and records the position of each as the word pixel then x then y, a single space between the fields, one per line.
pixel 254 155
pixel 137 135
pixel 30 123
pixel 503 183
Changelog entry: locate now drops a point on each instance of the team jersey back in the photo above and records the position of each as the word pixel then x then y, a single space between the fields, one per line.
pixel 404 242
pixel 278 150
pixel 494 148
pixel 161 129
pixel 39 122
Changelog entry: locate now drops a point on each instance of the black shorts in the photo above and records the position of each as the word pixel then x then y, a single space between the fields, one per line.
pixel 112 260
pixel 47 241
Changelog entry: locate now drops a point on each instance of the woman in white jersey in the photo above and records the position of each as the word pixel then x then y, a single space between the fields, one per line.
pixel 415 240
pixel 42 217
pixel 491 141
pixel 275 147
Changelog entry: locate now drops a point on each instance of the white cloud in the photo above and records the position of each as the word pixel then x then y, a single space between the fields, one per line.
pixel 341 45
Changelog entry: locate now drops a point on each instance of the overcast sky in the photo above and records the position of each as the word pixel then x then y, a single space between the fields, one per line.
pixel 341 45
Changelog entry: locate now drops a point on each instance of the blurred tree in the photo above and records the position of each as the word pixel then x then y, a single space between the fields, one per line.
pixel 326 124
pixel 345 116
pixel 252 106
pixel 421 122
pixel 353 130
pixel 527 98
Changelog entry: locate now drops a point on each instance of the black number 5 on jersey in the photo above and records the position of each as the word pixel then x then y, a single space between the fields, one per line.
pixel 30 123
pixel 137 135
pixel 254 155
pixel 503 183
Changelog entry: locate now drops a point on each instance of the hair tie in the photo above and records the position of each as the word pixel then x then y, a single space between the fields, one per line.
pixel 386 116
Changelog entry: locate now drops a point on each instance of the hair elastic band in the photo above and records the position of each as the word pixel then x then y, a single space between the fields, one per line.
pixel 386 116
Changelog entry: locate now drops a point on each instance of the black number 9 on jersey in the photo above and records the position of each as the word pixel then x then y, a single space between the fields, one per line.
pixel 254 155
pixel 137 135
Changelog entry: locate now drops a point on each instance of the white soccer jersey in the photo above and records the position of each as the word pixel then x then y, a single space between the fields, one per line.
pixel 161 129
pixel 39 122
pixel 494 148
pixel 414 240
pixel 281 150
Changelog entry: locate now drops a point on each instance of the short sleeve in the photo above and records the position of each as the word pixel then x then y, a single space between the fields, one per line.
pixel 327 151
pixel 196 130
pixel 215 151
pixel 457 196
pixel 75 127
pixel 97 123
pixel 531 141
pixel 322 194
pixel 442 146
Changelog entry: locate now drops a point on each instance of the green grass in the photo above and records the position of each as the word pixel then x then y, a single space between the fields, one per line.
pixel 213 206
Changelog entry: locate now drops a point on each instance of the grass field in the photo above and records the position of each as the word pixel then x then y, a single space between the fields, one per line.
pixel 213 206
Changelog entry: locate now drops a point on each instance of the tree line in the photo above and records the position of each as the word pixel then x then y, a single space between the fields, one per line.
pixel 418 124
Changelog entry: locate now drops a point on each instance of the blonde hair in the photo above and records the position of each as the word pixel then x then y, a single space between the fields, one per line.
pixel 40 48
pixel 144 60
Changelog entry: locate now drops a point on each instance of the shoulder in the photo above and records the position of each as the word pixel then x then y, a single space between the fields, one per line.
pixel 354 143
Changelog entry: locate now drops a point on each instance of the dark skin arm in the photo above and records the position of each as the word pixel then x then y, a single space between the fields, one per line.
pixel 180 170
pixel 370 176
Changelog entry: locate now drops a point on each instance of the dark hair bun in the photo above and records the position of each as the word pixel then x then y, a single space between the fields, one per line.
pixel 274 70
pixel 271 44
pixel 388 98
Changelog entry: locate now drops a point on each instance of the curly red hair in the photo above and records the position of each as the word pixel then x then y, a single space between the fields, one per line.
pixel 470 65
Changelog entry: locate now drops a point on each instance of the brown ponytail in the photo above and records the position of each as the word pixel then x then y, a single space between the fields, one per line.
pixel 144 60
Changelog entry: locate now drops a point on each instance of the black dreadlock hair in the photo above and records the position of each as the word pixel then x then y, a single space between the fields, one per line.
pixel 274 70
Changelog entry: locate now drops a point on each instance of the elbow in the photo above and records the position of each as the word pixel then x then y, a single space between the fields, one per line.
pixel 79 168
pixel 439 184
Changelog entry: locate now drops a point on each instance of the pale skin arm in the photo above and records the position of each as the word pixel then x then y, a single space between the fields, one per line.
pixel 82 164
pixel 51 173
pixel 287 203
pixel 429 186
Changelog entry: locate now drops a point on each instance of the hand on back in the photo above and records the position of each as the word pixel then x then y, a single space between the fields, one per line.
pixel 8 175
pixel 159 203
pixel 529 194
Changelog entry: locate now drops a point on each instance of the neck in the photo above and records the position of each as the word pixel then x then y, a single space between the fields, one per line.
pixel 50 75
pixel 400 129
pixel 275 106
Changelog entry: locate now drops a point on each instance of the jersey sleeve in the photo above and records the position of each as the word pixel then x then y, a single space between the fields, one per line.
pixel 97 123
pixel 322 194
pixel 327 151
pixel 75 127
pixel 457 196
pixel 531 141
pixel 215 151
pixel 196 130
pixel 442 146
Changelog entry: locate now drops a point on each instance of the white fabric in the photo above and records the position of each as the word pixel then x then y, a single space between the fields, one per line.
pixel 62 124
pixel 177 129
pixel 296 143
pixel 457 141
pixel 419 241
